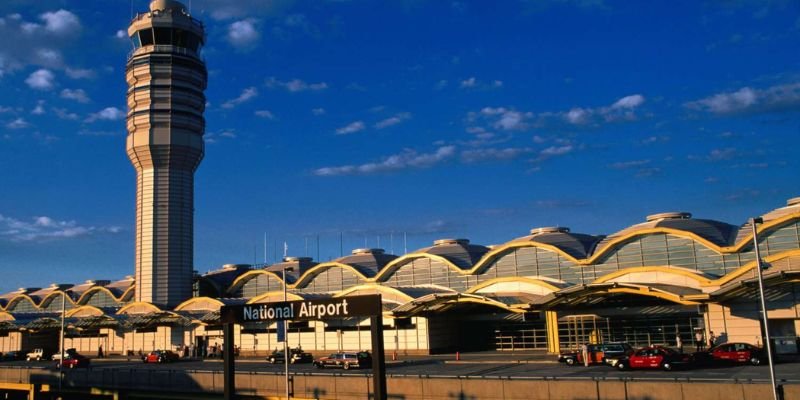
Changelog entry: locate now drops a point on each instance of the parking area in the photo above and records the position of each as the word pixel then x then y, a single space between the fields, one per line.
pixel 474 365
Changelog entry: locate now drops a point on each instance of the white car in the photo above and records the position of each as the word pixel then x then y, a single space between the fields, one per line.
pixel 36 354
pixel 68 352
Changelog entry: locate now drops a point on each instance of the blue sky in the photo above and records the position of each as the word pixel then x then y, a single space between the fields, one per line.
pixel 372 119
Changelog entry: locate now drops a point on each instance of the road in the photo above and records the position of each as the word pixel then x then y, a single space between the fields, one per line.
pixel 788 372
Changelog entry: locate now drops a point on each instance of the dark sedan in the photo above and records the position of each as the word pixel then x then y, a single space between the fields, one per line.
pixel 296 356
pixel 345 360
pixel 598 353
pixel 12 356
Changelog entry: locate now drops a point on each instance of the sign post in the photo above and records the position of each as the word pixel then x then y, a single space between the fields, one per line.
pixel 307 310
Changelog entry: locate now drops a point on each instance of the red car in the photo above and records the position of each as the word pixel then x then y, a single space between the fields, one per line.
pixel 160 356
pixel 74 360
pixel 654 357
pixel 738 352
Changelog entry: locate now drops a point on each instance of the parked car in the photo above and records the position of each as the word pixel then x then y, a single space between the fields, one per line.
pixel 38 354
pixel 296 356
pixel 160 356
pixel 653 357
pixel 57 355
pixel 12 356
pixel 598 353
pixel 732 353
pixel 346 360
pixel 73 360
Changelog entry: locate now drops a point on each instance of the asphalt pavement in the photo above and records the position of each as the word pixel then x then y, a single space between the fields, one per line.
pixel 533 365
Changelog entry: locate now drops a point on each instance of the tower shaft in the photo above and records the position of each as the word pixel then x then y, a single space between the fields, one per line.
pixel 166 78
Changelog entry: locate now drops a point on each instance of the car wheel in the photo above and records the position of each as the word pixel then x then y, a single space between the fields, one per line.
pixel 271 360
pixel 621 366
pixel 346 366
pixel 570 361
pixel 755 361
pixel 27 358
pixel 72 366
pixel 39 358
pixel 666 366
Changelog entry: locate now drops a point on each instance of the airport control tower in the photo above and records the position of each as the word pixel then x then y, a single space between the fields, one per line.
pixel 166 79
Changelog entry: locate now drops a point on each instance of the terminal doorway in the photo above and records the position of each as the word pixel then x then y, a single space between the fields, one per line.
pixel 638 330
pixel 521 336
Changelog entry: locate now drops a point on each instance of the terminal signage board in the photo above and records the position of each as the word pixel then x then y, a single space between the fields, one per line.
pixel 304 310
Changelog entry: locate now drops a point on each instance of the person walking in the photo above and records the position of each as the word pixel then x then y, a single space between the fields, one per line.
pixel 679 342
pixel 712 339
pixel 698 340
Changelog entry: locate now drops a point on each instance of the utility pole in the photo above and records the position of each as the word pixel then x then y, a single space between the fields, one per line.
pixel 767 341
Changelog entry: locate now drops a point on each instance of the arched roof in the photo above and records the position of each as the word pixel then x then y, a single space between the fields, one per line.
pixel 441 302
pixel 658 275
pixel 368 262
pixel 576 245
pixel 20 297
pixel 718 234
pixel 52 296
pixel 200 303
pixel 595 292
pixel 387 293
pixel 98 289
pixel 5 316
pixel 515 284
pixel 459 252
pixel 139 307
pixel 401 261
pixel 309 275
pixel 276 296
pixel 241 280
pixel 85 311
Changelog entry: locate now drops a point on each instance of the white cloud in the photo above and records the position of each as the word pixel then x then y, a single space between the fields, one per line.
pixel 79 73
pixel 61 22
pixel 775 98
pixel 406 159
pixel 64 114
pixel 352 127
pixel 265 114
pixel 18 123
pixel 39 109
pixel 46 228
pixel 318 111
pixel 473 83
pixel 246 95
pixel 78 95
pixel 243 34
pixel 623 109
pixel 393 120
pixel 508 153
pixel 41 79
pixel 107 114
pixel 553 151
pixel 295 85
pixel 505 118
pixel 629 102
pixel 629 164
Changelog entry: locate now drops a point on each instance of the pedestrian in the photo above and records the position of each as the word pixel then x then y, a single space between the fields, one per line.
pixel 192 350
pixel 585 354
pixel 100 351
pixel 712 339
pixel 698 340
pixel 679 342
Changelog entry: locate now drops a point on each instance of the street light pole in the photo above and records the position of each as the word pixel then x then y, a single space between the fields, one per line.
pixel 61 360
pixel 767 341
pixel 286 337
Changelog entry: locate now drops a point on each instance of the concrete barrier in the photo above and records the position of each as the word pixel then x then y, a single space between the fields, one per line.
pixel 345 387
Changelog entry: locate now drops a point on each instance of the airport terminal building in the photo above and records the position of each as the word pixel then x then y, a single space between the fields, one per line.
pixel 670 275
